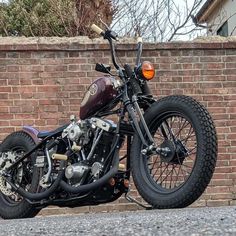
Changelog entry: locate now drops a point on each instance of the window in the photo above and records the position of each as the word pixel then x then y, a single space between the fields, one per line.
pixel 223 30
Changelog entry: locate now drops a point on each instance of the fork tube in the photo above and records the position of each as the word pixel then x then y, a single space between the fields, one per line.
pixel 129 142
pixel 133 115
pixel 137 108
pixel 135 123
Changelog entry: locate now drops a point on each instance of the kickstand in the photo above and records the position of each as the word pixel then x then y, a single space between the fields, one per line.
pixel 133 200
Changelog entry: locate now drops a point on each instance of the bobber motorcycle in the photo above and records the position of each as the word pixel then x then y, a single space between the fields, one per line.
pixel 170 148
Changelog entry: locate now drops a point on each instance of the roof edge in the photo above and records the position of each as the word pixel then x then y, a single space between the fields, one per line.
pixel 206 10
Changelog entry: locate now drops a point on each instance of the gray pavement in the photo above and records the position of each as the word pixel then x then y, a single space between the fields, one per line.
pixel 189 221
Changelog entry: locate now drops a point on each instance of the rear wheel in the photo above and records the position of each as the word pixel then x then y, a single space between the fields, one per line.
pixel 177 179
pixel 13 205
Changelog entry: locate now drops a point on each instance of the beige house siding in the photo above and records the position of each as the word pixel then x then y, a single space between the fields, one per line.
pixel 225 11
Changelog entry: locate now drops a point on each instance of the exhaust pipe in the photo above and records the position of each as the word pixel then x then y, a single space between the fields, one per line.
pixel 46 193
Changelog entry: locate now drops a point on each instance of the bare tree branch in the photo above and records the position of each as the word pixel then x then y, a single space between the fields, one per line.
pixel 155 20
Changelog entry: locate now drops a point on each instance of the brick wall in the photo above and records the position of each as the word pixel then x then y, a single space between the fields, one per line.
pixel 42 82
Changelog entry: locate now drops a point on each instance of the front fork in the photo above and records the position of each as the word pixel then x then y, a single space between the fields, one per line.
pixel 150 146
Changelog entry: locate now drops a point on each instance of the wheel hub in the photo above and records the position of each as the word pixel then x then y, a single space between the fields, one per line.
pixel 167 156
pixel 176 154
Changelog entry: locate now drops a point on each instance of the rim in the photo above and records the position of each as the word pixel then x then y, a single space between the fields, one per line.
pixel 169 173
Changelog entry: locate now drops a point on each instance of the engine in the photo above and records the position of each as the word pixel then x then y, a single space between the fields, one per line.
pixel 91 142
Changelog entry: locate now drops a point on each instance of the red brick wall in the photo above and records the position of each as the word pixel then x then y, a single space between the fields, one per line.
pixel 42 82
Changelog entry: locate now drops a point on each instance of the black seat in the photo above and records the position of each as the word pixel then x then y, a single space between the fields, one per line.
pixel 44 134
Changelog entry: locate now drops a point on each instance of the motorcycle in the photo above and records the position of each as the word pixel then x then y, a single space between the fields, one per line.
pixel 170 148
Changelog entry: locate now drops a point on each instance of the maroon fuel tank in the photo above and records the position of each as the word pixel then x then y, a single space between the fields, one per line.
pixel 99 94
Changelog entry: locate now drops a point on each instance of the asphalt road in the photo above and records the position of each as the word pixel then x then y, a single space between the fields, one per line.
pixel 190 221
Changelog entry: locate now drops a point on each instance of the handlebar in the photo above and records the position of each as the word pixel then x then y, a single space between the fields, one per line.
pixel 109 35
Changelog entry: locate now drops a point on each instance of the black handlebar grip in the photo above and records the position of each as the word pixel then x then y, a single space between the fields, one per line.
pixel 133 80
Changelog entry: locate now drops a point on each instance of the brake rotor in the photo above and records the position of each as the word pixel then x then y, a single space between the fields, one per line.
pixel 3 187
pixel 7 160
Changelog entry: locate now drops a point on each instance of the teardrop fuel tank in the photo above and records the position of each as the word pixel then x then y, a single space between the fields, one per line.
pixel 99 94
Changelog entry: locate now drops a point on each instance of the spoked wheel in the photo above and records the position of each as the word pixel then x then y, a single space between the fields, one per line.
pixel 177 177
pixel 12 205
pixel 172 170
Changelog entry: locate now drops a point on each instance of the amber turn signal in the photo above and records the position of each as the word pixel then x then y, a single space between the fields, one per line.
pixel 148 71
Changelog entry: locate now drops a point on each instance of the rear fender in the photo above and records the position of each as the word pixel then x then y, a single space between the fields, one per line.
pixel 32 132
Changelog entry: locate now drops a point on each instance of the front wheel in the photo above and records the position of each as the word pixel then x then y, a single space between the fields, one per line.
pixel 184 127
